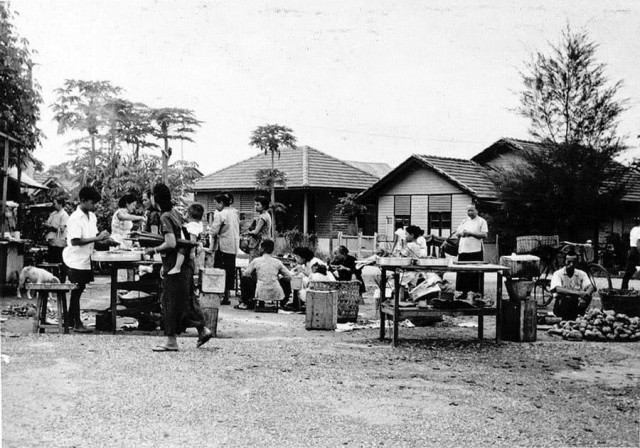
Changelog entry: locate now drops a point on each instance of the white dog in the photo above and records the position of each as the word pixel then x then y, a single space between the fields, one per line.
pixel 31 274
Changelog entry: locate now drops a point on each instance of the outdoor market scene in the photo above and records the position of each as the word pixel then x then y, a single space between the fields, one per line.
pixel 201 245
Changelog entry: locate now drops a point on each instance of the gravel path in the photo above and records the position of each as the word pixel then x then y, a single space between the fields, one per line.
pixel 268 382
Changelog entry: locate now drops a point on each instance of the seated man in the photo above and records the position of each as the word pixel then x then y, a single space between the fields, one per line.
pixel 571 288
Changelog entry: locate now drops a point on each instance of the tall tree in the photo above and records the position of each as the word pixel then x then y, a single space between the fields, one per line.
pixel 19 93
pixel 172 123
pixel 571 181
pixel 130 123
pixel 84 106
pixel 271 138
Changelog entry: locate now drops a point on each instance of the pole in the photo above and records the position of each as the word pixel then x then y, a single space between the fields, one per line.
pixel 5 182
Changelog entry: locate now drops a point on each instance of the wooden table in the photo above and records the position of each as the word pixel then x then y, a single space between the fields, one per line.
pixel 150 285
pixel 398 313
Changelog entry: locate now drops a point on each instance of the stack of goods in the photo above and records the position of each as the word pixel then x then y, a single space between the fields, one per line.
pixel 598 325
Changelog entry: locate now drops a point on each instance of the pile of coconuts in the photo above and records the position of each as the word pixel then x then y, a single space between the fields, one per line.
pixel 599 325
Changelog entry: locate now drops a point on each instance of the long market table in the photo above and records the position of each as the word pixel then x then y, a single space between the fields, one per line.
pixel 398 313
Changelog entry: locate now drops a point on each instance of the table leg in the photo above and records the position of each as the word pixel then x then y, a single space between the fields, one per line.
pixel 499 307
pixel 114 297
pixel 481 325
pixel 65 314
pixel 60 300
pixel 396 306
pixel 383 293
pixel 38 316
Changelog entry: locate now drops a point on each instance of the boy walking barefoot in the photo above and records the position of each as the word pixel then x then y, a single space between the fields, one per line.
pixel 194 228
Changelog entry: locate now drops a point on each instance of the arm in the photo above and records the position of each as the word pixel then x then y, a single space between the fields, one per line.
pixel 84 241
pixel 249 269
pixel 284 272
pixel 126 216
pixel 168 244
pixel 215 227
pixel 259 225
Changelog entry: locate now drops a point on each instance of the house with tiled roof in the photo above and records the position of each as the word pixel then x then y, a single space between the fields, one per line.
pixel 509 152
pixel 314 183
pixel 431 192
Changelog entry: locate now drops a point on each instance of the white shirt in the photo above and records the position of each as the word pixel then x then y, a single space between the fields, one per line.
pixel 634 236
pixel 80 226
pixel 471 244
pixel 578 282
pixel 194 228
pixel 58 220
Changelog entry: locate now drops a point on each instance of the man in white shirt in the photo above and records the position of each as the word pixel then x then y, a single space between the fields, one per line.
pixel 471 231
pixel 82 233
pixel 633 256
pixel 571 288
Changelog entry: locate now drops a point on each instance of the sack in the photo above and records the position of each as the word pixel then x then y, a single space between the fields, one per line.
pixel 450 246
pixel 56 240
pixel 249 242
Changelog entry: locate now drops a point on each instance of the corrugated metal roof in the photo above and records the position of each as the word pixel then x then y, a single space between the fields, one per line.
pixel 467 174
pixel 304 166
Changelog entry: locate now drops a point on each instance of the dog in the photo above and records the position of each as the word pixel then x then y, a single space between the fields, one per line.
pixel 31 274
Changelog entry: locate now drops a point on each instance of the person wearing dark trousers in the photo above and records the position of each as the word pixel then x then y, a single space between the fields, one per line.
pixel 224 240
pixel 633 256
pixel 57 236
pixel 471 231
pixel 572 289
pixel 82 233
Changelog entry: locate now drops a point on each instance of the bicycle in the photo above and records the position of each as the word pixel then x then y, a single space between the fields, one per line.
pixel 552 259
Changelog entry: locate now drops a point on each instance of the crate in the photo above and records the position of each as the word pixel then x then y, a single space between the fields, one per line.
pixel 521 265
pixel 529 243
pixel 348 297
pixel 625 302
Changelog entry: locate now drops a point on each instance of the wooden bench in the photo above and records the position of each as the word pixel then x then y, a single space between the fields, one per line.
pixel 43 290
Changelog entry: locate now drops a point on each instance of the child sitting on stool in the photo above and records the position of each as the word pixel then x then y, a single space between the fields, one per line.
pixel 267 269
pixel 194 229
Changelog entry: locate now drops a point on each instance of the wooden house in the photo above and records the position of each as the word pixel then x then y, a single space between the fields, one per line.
pixel 431 192
pixel 508 152
pixel 315 182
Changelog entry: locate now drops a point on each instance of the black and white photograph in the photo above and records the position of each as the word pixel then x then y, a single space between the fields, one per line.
pixel 360 223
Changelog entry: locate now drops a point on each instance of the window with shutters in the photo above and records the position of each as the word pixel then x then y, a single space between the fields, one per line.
pixel 402 211
pixel 440 215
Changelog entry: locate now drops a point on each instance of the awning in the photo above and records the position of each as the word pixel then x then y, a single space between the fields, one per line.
pixel 25 180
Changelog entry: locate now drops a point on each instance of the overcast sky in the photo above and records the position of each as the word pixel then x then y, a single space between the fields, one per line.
pixel 362 80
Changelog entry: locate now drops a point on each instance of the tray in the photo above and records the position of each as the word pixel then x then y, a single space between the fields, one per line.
pixel 434 262
pixel 470 262
pixel 113 256
pixel 395 261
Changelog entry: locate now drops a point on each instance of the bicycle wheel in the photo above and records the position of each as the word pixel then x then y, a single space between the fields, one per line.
pixel 541 293
pixel 598 276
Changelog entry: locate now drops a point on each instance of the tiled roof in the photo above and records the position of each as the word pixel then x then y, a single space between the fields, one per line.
pixel 465 173
pixel 304 166
pixel 504 145
pixel 378 170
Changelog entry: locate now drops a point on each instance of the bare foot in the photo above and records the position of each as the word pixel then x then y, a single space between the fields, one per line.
pixel 173 271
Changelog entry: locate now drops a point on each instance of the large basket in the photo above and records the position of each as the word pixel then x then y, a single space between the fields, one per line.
pixel 621 301
pixel 529 243
pixel 348 297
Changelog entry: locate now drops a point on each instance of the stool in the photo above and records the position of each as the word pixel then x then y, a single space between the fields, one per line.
pixel 43 290
pixel 54 268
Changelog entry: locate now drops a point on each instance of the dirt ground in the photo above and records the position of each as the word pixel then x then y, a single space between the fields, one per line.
pixel 266 381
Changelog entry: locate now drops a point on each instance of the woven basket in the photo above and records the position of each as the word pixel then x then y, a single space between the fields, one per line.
pixel 348 297
pixel 529 243
pixel 613 299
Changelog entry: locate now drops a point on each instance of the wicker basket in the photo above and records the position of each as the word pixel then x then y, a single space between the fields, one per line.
pixel 616 300
pixel 529 243
pixel 348 297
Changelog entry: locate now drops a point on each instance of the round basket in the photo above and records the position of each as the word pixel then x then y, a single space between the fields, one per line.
pixel 529 243
pixel 621 301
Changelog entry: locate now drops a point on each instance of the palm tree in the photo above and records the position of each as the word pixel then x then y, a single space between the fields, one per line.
pixel 272 138
pixel 172 123
pixel 82 106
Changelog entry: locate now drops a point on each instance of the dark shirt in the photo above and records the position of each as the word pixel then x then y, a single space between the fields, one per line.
pixel 153 219
pixel 171 222
pixel 349 262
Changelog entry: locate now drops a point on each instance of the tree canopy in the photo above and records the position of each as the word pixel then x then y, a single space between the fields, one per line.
pixel 572 181
pixel 20 97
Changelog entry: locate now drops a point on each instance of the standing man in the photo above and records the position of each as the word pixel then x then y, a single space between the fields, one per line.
pixel 471 231
pixel 571 288
pixel 633 256
pixel 82 233
pixel 57 235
